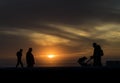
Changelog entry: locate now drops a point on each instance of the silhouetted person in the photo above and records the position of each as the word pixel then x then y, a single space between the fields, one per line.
pixel 19 57
pixel 97 53
pixel 30 58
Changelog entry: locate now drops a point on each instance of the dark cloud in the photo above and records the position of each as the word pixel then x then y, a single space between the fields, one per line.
pixel 22 12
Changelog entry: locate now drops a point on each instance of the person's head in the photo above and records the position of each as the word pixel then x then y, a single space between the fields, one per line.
pixel 30 49
pixel 21 50
pixel 94 44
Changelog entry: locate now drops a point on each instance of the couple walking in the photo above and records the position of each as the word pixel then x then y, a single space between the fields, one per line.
pixel 29 58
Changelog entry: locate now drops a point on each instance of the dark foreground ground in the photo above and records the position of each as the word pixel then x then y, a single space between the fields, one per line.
pixel 60 74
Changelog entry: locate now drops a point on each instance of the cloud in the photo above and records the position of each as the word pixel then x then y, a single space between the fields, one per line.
pixel 71 25
pixel 20 13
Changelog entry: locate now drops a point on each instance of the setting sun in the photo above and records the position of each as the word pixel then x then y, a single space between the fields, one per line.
pixel 51 56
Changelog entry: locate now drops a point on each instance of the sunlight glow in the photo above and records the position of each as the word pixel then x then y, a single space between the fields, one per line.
pixel 51 56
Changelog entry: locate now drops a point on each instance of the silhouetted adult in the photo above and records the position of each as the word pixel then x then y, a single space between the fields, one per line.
pixel 19 57
pixel 97 53
pixel 30 58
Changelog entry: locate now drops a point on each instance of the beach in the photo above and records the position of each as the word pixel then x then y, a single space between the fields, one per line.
pixel 61 73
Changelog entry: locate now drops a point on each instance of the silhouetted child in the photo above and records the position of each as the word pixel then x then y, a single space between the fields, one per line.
pixel 19 56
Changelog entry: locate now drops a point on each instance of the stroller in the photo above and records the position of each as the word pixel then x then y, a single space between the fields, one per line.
pixel 83 61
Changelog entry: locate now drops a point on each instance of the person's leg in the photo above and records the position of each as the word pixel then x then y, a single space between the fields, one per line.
pixel 99 61
pixel 21 63
pixel 95 61
pixel 17 63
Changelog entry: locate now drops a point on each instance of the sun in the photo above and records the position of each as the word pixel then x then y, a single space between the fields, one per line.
pixel 51 56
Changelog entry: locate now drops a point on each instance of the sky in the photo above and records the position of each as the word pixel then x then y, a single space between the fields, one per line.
pixel 65 28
